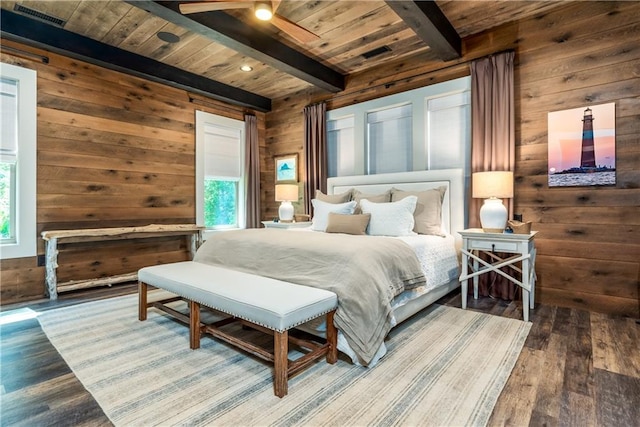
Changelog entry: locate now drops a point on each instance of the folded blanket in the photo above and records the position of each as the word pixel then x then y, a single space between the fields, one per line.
pixel 366 272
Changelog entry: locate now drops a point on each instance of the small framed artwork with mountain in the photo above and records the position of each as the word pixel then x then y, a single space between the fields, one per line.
pixel 286 168
pixel 582 146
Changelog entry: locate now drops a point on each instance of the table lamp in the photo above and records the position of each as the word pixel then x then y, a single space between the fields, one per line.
pixel 286 193
pixel 493 186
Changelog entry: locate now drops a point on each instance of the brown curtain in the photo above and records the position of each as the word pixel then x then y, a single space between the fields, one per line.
pixel 315 150
pixel 252 171
pixel 493 141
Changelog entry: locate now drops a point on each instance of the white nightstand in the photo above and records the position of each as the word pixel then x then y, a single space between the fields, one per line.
pixel 286 225
pixel 475 241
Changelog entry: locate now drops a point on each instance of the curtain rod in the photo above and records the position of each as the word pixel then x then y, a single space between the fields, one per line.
pixel 393 83
pixel 25 54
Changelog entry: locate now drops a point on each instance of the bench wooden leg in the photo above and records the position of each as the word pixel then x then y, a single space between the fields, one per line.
pixel 142 301
pixel 194 325
pixel 281 362
pixel 332 339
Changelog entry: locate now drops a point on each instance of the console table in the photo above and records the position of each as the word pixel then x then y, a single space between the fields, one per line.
pixel 475 241
pixel 52 237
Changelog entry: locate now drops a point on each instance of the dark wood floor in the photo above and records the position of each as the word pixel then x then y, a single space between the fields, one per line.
pixel 577 368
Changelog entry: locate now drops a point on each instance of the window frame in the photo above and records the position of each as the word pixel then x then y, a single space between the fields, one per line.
pixel 203 118
pixel 417 97
pixel 25 165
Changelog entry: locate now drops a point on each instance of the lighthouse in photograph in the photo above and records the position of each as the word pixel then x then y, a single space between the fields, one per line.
pixel 588 158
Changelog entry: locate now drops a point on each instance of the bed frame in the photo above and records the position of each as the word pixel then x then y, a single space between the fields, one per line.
pixel 453 212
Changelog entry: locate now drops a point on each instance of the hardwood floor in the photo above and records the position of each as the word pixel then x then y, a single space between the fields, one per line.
pixel 577 368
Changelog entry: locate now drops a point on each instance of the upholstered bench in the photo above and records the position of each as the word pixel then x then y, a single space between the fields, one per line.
pixel 266 304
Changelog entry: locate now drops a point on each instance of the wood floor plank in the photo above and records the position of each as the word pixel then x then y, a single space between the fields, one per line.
pixel 542 318
pixel 578 377
pixel 577 410
pixel 616 344
pixel 553 371
pixel 617 399
pixel 516 402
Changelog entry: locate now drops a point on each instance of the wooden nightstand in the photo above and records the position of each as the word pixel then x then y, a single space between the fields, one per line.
pixel 286 225
pixel 475 241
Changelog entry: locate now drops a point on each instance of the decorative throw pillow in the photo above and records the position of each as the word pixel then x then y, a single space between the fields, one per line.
pixel 375 198
pixel 390 219
pixel 348 224
pixel 322 209
pixel 334 198
pixel 428 213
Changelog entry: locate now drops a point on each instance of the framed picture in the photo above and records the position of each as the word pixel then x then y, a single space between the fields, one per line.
pixel 582 146
pixel 286 168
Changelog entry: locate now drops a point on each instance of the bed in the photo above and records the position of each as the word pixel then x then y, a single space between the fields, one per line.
pixel 268 251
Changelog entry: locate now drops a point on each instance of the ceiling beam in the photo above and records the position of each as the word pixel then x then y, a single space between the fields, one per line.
pixel 431 25
pixel 36 33
pixel 245 39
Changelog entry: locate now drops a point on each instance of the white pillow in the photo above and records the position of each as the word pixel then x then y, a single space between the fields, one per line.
pixel 322 209
pixel 391 219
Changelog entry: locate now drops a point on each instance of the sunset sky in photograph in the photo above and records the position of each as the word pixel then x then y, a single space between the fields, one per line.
pixel 565 136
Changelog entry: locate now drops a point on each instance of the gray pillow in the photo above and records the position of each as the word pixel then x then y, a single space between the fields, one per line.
pixel 334 198
pixel 428 213
pixel 375 198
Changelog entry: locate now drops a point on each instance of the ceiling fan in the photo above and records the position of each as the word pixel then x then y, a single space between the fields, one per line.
pixel 264 10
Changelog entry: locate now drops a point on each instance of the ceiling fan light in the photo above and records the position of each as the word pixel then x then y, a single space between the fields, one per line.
pixel 263 10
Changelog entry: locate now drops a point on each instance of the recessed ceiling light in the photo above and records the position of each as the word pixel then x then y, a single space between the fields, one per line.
pixel 168 37
pixel 246 68
pixel 263 10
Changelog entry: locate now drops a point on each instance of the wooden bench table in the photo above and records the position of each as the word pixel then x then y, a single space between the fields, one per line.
pixel 267 304
pixel 53 237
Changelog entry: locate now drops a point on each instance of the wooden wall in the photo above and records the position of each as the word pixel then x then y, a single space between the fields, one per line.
pixel 583 53
pixel 113 150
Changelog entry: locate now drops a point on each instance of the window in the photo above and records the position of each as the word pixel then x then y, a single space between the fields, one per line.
pixel 17 162
pixel 220 190
pixel 389 144
pixel 449 130
pixel 340 147
pixel 421 129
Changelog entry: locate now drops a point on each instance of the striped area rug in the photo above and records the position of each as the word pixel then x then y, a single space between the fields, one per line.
pixel 444 367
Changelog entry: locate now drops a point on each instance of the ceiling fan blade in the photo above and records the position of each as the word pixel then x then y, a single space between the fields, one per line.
pixel 208 6
pixel 294 30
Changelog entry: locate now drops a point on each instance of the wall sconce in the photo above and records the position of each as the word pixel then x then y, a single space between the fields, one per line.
pixel 286 193
pixel 493 186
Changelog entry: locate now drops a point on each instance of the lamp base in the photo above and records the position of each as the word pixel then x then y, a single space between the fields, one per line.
pixel 493 216
pixel 285 212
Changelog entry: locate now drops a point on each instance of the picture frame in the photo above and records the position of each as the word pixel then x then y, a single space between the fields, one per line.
pixel 286 167
pixel 582 146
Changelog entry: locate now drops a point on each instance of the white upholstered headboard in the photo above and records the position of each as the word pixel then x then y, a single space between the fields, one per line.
pixel 453 206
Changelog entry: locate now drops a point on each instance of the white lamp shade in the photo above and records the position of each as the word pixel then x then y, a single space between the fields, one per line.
pixel 498 184
pixel 286 192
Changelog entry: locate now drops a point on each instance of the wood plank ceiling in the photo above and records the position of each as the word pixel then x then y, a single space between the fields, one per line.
pixel 208 59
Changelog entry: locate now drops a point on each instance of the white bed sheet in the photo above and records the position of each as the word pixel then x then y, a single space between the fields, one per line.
pixel 438 259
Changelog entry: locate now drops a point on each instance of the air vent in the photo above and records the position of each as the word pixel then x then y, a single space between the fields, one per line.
pixel 39 15
pixel 377 51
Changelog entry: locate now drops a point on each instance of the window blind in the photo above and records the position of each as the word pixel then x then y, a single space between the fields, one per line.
pixel 341 147
pixel 9 120
pixel 389 133
pixel 222 152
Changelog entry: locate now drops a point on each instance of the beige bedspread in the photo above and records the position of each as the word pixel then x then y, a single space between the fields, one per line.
pixel 366 272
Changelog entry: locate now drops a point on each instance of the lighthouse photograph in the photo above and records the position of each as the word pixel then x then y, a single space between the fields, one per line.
pixel 582 146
